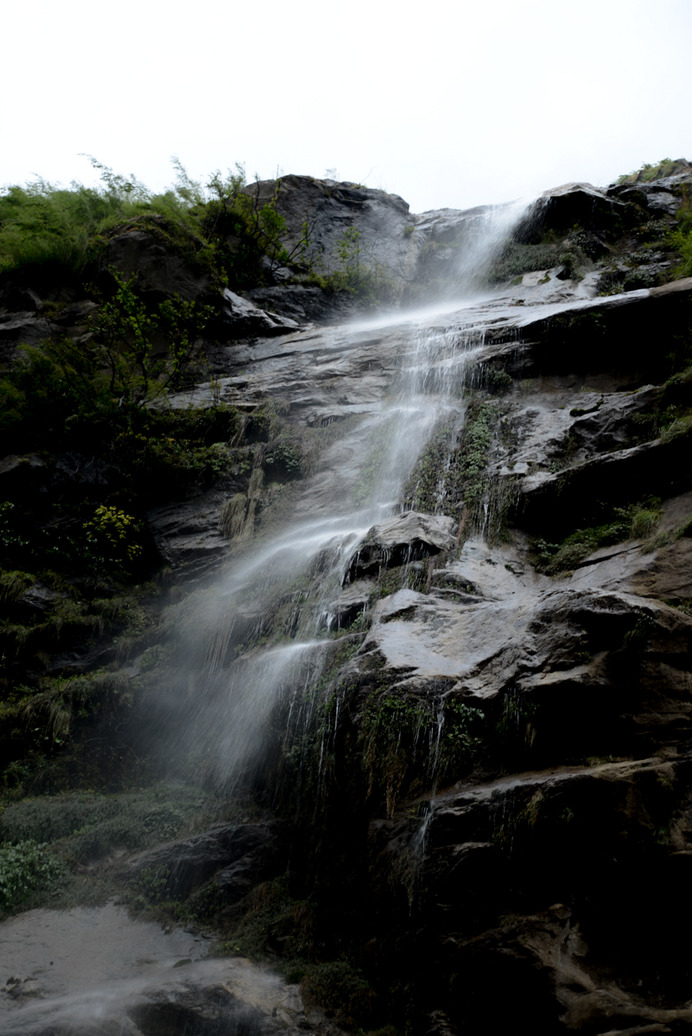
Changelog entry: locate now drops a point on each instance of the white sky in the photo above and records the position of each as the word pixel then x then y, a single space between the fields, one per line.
pixel 447 103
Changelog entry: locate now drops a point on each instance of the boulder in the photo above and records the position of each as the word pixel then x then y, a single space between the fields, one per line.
pixel 28 328
pixel 407 537
pixel 304 303
pixel 572 204
pixel 609 336
pixel 331 225
pixel 231 853
pixel 98 972
pixel 555 504
pixel 189 535
pixel 241 318
pixel 148 248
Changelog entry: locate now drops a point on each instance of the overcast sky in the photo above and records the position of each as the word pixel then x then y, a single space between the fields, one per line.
pixel 447 103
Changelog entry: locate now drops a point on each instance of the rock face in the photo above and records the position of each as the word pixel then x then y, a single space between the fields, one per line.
pixel 481 525
pixel 573 204
pixel 236 857
pixel 406 538
pixel 509 805
pixel 333 224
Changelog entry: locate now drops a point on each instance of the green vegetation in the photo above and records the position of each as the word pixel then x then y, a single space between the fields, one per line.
pixel 127 333
pixel 655 171
pixel 46 843
pixel 29 874
pixel 272 917
pixel 636 521
pixel 517 258
pixel 463 737
pixel 95 443
pixel 425 489
pixel 228 230
pixel 342 991
pixel 473 495
pixel 681 239
pixel 355 273
pixel 86 826
pixel 411 743
pixel 45 230
pixel 454 476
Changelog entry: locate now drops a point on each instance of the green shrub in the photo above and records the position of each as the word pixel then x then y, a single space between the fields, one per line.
pixel 636 521
pixel 29 873
pixel 655 171
pixel 127 332
pixel 90 825
pixel 341 991
pixel 43 228
pixel 681 239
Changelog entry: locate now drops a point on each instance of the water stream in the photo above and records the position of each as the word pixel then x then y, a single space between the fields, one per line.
pixel 257 631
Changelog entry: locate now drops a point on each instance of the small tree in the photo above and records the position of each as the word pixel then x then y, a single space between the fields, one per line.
pixel 129 333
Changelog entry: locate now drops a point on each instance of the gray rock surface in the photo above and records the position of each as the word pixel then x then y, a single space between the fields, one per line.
pixel 407 537
pixel 143 249
pixel 329 211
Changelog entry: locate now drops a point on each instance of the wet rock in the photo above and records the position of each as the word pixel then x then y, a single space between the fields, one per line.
pixel 37 601
pixel 610 335
pixel 304 304
pixel 661 197
pixel 22 475
pixel 190 536
pixel 351 603
pixel 18 299
pixel 609 423
pixel 328 212
pixel 241 318
pixel 526 881
pixel 401 540
pixel 576 496
pixel 573 204
pixel 21 329
pixel 502 826
pixel 230 854
pixel 211 1011
pixel 100 973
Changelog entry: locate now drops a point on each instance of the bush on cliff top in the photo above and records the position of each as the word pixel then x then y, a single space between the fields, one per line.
pixel 49 233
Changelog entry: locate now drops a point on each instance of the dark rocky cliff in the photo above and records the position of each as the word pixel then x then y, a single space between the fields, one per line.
pixel 483 811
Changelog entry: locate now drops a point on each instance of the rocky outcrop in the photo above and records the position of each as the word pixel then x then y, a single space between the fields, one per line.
pixel 331 225
pixel 511 757
pixel 162 258
pixel 573 204
pixel 234 858
pixel 241 318
pixel 406 538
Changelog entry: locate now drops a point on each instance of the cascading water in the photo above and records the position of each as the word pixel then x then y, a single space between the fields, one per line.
pixel 487 234
pixel 288 579
pixel 263 629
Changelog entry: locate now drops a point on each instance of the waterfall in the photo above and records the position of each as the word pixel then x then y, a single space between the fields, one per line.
pixel 487 235
pixel 262 631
